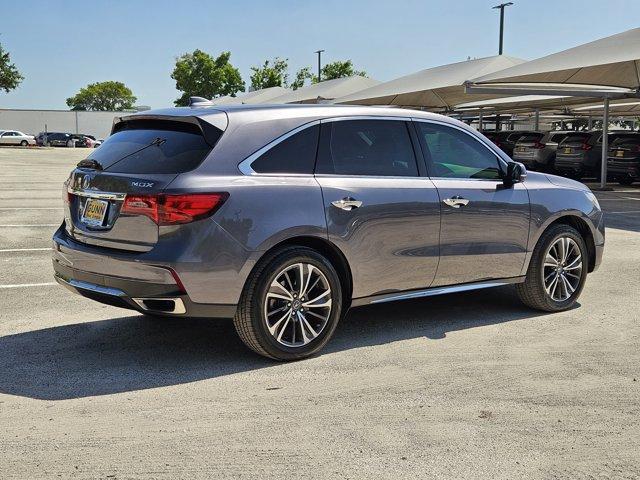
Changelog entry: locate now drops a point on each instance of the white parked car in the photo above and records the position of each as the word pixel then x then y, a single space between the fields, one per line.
pixel 14 137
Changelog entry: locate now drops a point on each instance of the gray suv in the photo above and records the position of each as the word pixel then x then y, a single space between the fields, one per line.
pixel 283 217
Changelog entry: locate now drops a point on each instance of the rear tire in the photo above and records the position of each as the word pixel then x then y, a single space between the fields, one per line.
pixel 274 324
pixel 24 143
pixel 539 290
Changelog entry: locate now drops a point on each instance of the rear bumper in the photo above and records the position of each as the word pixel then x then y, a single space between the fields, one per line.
pixel 628 169
pixel 126 283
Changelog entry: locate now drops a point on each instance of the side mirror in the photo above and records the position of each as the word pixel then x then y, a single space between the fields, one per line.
pixel 516 173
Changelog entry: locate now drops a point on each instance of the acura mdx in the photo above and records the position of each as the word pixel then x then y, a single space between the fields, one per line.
pixel 283 217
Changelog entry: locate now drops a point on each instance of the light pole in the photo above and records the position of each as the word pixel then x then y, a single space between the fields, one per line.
pixel 501 7
pixel 319 52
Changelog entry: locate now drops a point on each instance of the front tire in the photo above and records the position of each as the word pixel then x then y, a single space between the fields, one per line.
pixel 24 143
pixel 290 306
pixel 557 271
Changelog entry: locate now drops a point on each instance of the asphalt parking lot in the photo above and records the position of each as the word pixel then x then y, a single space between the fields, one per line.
pixel 470 385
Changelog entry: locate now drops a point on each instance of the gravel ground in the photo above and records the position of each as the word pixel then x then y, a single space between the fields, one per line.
pixel 469 385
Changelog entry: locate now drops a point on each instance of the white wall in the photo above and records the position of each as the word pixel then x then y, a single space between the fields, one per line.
pixel 33 122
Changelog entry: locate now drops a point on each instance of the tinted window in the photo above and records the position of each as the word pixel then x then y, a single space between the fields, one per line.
pixel 530 137
pixel 296 154
pixel 153 147
pixel 367 147
pixel 576 137
pixel 558 137
pixel 451 153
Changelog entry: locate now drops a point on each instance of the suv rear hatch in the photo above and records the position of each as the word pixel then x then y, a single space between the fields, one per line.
pixel 114 197
pixel 527 145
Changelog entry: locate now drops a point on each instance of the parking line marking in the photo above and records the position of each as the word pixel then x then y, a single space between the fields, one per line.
pixel 31 208
pixel 630 211
pixel 24 285
pixel 31 225
pixel 11 250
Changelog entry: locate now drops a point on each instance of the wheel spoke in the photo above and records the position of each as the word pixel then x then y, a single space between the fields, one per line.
pixel 575 264
pixel 296 323
pixel 569 288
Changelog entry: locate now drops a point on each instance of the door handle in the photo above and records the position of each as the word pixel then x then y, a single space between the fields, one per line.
pixel 347 203
pixel 456 202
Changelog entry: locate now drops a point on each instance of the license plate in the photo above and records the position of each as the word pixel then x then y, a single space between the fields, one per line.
pixel 521 149
pixel 619 153
pixel 567 150
pixel 94 212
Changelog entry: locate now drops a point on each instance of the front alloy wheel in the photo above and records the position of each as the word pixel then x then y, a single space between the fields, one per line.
pixel 557 270
pixel 562 269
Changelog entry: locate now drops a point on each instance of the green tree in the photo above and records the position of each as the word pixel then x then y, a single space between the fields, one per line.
pixel 270 74
pixel 339 69
pixel 10 77
pixel 302 76
pixel 331 71
pixel 199 74
pixel 104 96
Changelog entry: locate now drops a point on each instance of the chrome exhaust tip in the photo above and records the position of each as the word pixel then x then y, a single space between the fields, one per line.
pixel 161 305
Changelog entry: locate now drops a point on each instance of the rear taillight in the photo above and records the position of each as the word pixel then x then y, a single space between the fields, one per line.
pixel 585 146
pixel 168 209
pixel 539 145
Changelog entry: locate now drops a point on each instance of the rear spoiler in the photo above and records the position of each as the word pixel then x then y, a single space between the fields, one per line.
pixel 210 128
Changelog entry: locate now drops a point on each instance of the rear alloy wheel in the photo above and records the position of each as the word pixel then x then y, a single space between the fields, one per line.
pixel 291 305
pixel 557 271
pixel 24 143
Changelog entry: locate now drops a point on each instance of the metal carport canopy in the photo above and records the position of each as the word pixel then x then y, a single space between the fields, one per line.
pixel 264 95
pixel 326 90
pixel 434 88
pixel 606 68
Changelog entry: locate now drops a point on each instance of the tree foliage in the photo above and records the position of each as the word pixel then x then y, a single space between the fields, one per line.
pixel 331 71
pixel 339 69
pixel 10 77
pixel 270 74
pixel 199 74
pixel 103 96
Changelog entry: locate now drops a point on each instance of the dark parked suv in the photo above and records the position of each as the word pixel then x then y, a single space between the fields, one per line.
pixel 580 153
pixel 623 163
pixel 283 217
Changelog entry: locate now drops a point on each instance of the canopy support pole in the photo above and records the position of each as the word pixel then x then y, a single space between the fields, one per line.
pixel 605 145
pixel 537 120
pixel 590 122
pixel 480 121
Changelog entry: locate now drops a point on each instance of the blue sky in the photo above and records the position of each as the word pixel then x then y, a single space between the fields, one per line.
pixel 62 46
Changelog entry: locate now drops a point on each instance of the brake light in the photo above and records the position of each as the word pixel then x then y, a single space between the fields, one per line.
pixel 585 146
pixel 167 209
pixel 539 145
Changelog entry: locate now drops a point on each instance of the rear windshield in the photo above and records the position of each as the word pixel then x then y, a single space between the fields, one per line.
pixel 530 137
pixel 558 137
pixel 577 137
pixel 153 146
pixel 626 140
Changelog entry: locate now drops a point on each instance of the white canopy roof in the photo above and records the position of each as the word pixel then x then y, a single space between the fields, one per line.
pixel 525 103
pixel 264 95
pixel 612 62
pixel 327 90
pixel 435 88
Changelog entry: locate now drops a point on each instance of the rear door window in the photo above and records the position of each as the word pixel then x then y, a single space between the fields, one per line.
pixel 366 147
pixel 293 155
pixel 530 137
pixel 153 147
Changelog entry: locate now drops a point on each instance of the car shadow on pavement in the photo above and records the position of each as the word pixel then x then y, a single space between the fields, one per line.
pixel 137 352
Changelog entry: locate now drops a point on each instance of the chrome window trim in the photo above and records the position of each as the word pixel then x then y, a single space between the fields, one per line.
pixel 245 165
pixel 96 194
pixel 497 154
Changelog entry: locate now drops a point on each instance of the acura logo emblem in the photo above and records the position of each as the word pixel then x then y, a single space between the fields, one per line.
pixel 85 182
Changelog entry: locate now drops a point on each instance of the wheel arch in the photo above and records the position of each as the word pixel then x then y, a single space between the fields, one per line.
pixel 325 248
pixel 585 231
